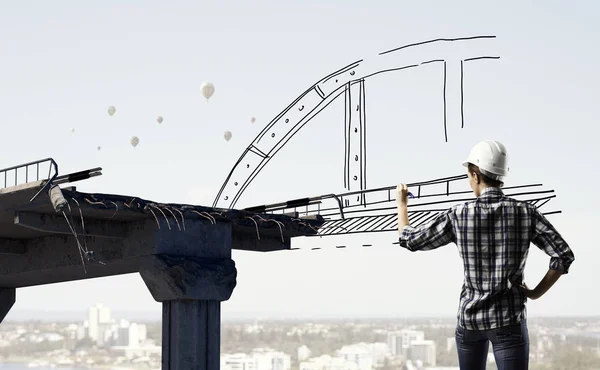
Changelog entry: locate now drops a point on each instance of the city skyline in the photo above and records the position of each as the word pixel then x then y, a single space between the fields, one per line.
pixel 289 344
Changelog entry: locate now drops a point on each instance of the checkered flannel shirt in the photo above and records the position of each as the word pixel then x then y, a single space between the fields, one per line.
pixel 493 234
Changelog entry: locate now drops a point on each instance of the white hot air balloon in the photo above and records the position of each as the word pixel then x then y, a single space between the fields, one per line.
pixel 252 120
pixel 227 135
pixel 135 141
pixel 208 89
pixel 72 130
pixel 111 110
pixel 159 119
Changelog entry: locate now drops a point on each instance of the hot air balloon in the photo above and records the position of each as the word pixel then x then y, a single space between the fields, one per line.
pixel 252 120
pixel 135 141
pixel 159 119
pixel 111 110
pixel 99 148
pixel 227 135
pixel 72 130
pixel 208 89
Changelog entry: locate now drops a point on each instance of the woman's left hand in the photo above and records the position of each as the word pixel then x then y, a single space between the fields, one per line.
pixel 402 194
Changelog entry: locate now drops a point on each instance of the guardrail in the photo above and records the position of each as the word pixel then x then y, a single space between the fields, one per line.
pixel 30 174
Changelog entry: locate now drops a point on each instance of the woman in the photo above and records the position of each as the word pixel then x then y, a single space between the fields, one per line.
pixel 493 234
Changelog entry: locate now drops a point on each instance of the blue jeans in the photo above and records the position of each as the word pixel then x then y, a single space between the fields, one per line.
pixel 509 343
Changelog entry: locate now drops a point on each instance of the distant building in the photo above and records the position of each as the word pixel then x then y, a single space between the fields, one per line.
pixel 238 361
pixel 131 353
pixel 359 354
pixel 259 359
pixel 82 330
pixel 423 351
pixel 328 363
pixel 130 334
pixel 134 335
pixel 142 333
pixel 303 353
pixel 104 336
pixel 98 315
pixel 450 344
pixel 399 341
pixel 267 359
pixel 380 352
pixel 122 333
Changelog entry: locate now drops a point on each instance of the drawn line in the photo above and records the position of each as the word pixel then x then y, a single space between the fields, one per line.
pixel 390 70
pixel 462 105
pixel 320 91
pixel 257 151
pixel 477 58
pixel 363 106
pixel 445 129
pixel 437 40
pixel 370 220
pixel 340 71
pixel 347 122
pixel 433 61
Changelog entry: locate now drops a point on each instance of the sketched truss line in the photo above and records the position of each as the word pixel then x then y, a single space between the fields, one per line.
pixel 380 213
pixel 320 95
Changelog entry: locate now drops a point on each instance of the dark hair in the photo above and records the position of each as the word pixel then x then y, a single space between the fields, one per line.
pixel 484 178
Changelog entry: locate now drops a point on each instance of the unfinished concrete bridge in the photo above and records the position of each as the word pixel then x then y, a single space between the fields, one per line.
pixel 182 252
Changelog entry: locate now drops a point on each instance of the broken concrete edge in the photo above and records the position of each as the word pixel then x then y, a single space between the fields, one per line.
pixel 34 185
pixel 172 277
pixel 133 205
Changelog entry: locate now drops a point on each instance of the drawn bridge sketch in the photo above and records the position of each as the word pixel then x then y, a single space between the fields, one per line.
pixel 352 212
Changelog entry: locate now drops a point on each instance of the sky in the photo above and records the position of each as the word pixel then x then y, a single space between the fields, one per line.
pixel 63 63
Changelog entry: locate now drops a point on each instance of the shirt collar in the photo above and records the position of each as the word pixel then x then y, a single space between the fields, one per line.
pixel 491 191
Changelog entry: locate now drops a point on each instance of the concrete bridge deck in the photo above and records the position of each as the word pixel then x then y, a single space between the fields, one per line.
pixel 37 245
pixel 182 252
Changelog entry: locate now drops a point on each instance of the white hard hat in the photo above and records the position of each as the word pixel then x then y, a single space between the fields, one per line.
pixel 491 158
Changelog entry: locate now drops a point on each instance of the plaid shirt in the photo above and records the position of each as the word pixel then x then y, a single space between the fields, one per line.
pixel 493 234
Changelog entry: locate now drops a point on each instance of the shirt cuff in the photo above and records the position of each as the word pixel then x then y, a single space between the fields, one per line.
pixel 404 235
pixel 558 264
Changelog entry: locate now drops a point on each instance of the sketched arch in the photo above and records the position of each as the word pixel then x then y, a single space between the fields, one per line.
pixel 317 97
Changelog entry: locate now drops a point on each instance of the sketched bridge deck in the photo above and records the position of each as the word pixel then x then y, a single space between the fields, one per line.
pixel 377 211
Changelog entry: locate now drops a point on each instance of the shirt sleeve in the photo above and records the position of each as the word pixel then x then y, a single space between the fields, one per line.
pixel 430 235
pixel 546 238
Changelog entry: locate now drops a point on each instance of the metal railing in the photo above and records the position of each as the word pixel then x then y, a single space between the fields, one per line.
pixel 31 174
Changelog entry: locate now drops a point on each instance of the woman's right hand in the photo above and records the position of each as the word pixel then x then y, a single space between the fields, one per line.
pixel 529 293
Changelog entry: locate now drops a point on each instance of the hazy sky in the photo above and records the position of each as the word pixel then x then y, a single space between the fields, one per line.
pixel 64 62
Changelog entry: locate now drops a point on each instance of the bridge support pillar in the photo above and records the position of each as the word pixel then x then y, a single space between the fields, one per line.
pixel 7 300
pixel 191 273
pixel 191 334
pixel 191 290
